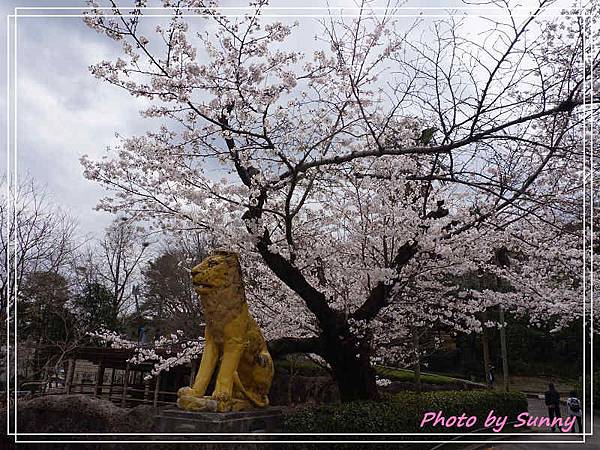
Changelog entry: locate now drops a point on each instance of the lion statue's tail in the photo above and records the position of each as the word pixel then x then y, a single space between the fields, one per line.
pixel 254 398
pixel 256 393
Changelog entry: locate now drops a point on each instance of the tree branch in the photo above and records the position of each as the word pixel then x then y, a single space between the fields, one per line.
pixel 284 346
pixel 378 297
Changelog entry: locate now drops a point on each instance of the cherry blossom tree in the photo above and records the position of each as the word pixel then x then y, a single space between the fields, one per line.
pixel 363 177
pixel 165 352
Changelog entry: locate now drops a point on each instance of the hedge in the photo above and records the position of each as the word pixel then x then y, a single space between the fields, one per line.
pixel 595 390
pixel 402 413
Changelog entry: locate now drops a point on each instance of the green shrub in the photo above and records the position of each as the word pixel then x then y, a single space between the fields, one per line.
pixel 596 390
pixel 402 413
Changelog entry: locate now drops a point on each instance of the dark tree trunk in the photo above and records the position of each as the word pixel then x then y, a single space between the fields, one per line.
pixel 351 369
pixel 354 375
pixel 347 355
pixel 355 379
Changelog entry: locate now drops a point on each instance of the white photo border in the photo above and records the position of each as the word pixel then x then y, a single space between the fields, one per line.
pixel 12 114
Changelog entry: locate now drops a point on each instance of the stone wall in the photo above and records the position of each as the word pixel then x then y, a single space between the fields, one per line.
pixel 81 414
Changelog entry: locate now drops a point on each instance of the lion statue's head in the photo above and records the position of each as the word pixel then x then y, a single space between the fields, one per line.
pixel 221 270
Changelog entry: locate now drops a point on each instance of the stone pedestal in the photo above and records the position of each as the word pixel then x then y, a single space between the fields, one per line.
pixel 267 420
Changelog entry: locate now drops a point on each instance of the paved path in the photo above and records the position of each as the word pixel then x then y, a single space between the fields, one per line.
pixel 537 407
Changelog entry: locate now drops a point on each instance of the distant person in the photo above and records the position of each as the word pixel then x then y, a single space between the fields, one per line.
pixel 142 338
pixel 552 398
pixel 491 377
pixel 574 410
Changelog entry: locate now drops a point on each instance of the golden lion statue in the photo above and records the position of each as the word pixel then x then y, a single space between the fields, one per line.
pixel 231 337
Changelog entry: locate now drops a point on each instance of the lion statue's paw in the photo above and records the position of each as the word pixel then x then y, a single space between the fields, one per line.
pixel 191 403
pixel 220 396
pixel 185 392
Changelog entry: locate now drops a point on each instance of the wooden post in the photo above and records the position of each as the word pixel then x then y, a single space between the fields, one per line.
pixel 503 349
pixel 485 344
pixel 98 388
pixel 112 381
pixel 486 357
pixel 125 381
pixel 146 389
pixel 156 389
pixel 46 380
pixel 417 365
pixel 70 375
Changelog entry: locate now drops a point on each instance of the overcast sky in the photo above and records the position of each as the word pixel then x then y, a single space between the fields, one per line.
pixel 64 112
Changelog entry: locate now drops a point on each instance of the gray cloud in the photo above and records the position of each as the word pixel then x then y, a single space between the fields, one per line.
pixel 63 112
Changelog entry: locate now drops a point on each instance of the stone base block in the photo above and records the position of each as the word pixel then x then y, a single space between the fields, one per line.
pixel 267 420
